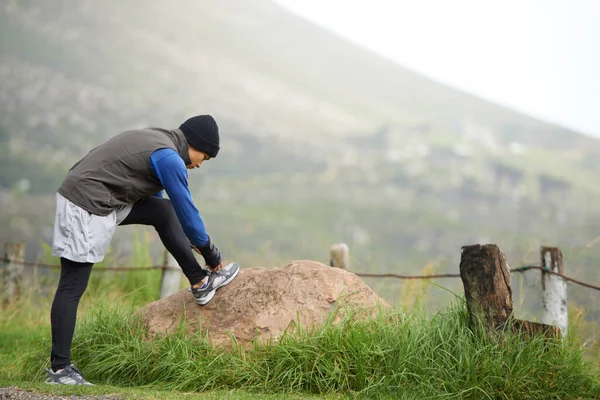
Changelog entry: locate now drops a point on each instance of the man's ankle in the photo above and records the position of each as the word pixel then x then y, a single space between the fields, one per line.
pixel 200 284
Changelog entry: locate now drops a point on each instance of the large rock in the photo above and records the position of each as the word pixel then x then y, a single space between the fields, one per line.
pixel 261 303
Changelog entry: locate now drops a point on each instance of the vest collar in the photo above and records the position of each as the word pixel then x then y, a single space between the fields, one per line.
pixel 182 145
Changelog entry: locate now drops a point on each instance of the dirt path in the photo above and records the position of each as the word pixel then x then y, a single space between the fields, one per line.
pixel 16 393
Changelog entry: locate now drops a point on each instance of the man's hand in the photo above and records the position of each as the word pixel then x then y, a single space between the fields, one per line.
pixel 217 268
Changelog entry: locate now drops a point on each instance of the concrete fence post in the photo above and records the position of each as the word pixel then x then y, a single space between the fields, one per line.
pixel 339 256
pixel 554 289
pixel 171 277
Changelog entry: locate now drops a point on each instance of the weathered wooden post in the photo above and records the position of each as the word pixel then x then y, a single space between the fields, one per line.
pixel 171 277
pixel 13 270
pixel 488 292
pixel 339 256
pixel 554 289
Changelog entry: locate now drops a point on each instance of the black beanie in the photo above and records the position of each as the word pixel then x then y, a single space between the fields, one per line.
pixel 202 133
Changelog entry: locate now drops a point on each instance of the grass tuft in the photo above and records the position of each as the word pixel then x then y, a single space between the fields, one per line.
pixel 394 355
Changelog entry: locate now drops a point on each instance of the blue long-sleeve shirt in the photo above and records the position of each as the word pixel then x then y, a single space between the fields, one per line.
pixel 170 170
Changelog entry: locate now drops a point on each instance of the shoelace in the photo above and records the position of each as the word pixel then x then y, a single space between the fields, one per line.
pixel 74 369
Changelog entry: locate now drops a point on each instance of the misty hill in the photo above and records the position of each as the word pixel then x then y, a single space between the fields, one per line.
pixel 322 141
pixel 262 69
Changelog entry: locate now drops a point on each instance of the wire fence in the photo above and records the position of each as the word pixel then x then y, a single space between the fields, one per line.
pixel 360 274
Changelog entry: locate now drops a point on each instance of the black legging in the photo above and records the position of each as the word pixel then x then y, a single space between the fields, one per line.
pixel 159 213
pixel 73 282
pixel 74 276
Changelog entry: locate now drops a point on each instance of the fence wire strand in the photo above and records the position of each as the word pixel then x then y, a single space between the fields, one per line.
pixel 360 274
pixel 102 269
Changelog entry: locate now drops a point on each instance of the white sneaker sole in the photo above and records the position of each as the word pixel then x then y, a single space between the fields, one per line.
pixel 68 384
pixel 206 299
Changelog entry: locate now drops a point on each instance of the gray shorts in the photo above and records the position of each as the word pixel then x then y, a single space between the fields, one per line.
pixel 81 236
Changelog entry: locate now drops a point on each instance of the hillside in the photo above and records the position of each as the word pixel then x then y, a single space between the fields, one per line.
pixel 321 141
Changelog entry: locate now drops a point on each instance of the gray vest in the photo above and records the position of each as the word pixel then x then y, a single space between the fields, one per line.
pixel 117 172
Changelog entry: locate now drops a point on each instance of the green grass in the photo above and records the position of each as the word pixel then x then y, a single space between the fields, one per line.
pixel 396 355
pixel 400 354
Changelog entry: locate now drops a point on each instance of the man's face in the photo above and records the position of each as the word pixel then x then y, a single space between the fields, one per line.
pixel 197 157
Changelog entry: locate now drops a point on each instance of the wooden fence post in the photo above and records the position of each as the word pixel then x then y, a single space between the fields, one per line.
pixel 488 292
pixel 12 272
pixel 554 289
pixel 171 278
pixel 339 256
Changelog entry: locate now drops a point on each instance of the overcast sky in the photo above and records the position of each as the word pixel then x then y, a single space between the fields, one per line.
pixel 541 57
